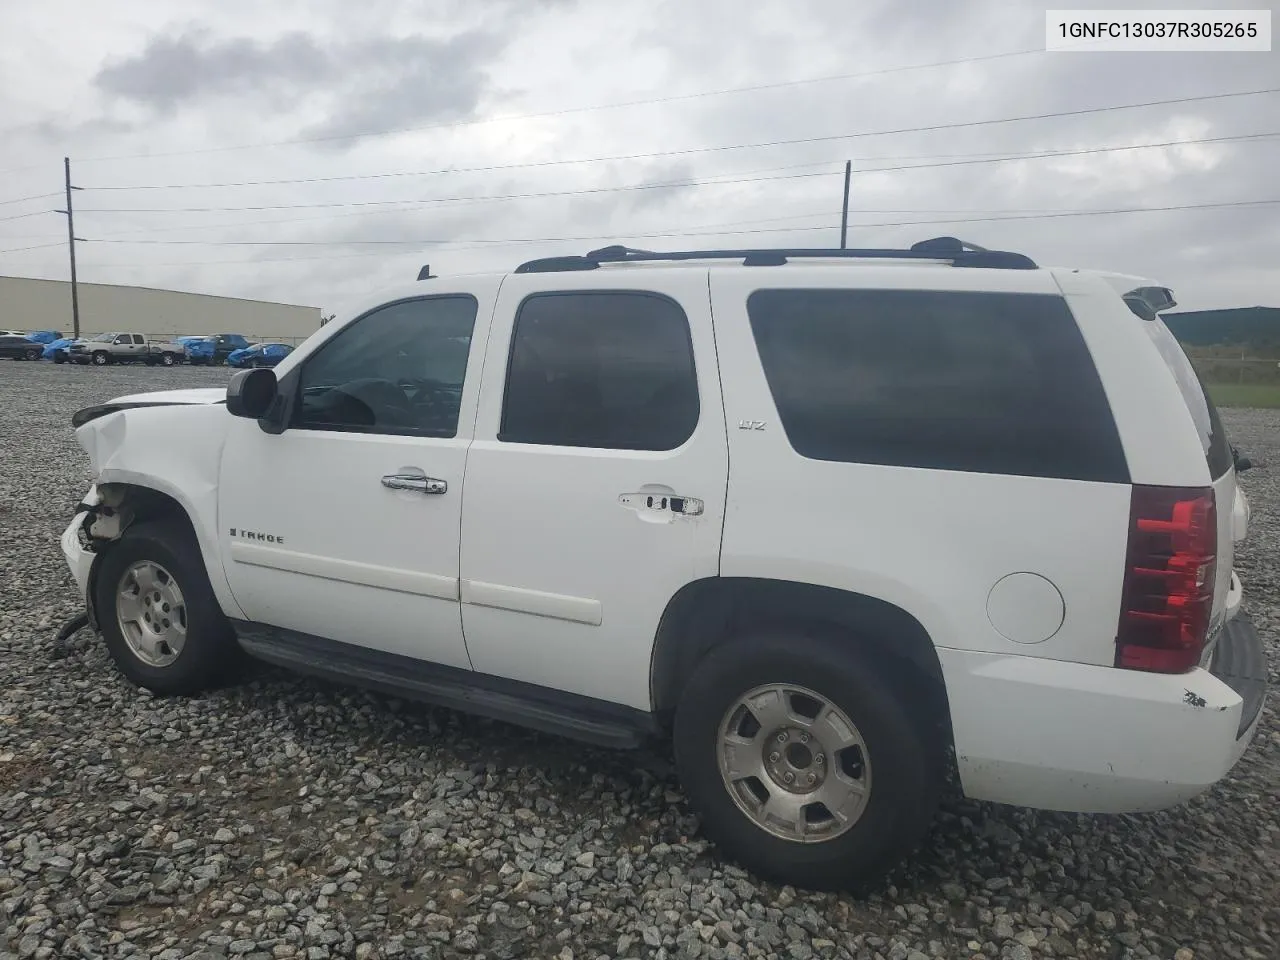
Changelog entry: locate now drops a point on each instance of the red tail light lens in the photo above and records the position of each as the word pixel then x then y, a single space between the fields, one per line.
pixel 1169 579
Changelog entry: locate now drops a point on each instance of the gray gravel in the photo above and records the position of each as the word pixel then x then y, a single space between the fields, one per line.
pixel 289 818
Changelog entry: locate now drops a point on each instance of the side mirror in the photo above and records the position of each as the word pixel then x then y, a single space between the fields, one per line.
pixel 251 393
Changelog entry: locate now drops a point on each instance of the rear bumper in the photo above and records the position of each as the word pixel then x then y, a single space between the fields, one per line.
pixel 1240 661
pixel 1067 736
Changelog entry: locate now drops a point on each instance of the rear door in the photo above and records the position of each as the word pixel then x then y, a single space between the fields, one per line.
pixel 596 482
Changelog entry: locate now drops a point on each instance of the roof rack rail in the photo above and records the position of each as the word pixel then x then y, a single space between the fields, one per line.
pixel 959 252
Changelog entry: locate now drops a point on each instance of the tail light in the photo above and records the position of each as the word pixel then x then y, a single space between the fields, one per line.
pixel 1169 579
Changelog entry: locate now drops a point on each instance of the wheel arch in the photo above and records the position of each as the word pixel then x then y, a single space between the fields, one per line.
pixel 137 498
pixel 706 614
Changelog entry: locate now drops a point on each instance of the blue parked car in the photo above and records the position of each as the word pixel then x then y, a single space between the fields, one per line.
pixel 56 350
pixel 197 349
pixel 45 336
pixel 259 355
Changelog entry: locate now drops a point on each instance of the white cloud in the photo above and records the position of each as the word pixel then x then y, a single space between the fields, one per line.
pixel 180 84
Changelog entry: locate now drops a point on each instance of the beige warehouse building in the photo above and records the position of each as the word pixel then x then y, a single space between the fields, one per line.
pixel 29 304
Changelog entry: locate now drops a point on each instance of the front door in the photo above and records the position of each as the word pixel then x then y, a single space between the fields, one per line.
pixel 596 482
pixel 345 526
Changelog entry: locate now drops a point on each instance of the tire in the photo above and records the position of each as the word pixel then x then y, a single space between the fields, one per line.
pixel 33 354
pixel 896 752
pixel 59 357
pixel 164 553
pixel 101 359
pixel 167 359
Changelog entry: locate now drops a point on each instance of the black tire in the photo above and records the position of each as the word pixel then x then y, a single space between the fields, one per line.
pixel 34 354
pixel 59 357
pixel 210 655
pixel 167 359
pixel 904 752
pixel 101 359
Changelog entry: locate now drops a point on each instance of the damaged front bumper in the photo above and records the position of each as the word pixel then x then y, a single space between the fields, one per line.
pixel 74 541
pixel 100 517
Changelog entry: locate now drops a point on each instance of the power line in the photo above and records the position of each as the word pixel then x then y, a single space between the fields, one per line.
pixel 1081 213
pixel 662 184
pixel 39 246
pixel 672 98
pixel 1053 212
pixel 704 233
pixel 959 159
pixel 40 196
pixel 730 223
pixel 410 202
pixel 966 158
pixel 23 216
pixel 1086 151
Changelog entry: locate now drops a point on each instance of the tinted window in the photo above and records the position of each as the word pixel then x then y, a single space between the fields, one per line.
pixel 398 369
pixel 983 382
pixel 138 338
pixel 601 369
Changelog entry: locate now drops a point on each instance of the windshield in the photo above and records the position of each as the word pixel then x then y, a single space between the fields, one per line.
pixel 103 338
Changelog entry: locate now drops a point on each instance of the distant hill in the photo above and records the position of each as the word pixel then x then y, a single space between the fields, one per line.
pixel 1243 326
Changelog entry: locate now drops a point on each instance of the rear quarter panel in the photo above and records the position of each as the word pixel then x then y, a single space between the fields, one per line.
pixel 932 542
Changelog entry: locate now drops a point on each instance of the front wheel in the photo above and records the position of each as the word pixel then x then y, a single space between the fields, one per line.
pixel 807 760
pixel 160 619
pixel 101 359
pixel 33 354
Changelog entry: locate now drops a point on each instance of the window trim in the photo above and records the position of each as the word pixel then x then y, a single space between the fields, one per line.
pixel 300 370
pixel 1122 474
pixel 595 291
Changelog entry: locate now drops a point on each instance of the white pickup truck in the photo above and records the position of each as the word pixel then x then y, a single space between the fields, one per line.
pixel 108 348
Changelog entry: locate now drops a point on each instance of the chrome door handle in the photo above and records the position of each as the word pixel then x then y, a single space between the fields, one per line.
pixel 410 481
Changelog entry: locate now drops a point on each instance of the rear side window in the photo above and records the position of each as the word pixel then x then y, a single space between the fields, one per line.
pixel 979 382
pixel 1213 439
pixel 601 369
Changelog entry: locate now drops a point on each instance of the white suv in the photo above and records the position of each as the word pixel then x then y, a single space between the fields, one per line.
pixel 830 520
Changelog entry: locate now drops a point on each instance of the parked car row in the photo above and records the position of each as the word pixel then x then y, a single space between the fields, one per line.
pixel 129 347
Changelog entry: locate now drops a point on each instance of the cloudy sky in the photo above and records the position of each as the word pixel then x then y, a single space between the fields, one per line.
pixel 310 150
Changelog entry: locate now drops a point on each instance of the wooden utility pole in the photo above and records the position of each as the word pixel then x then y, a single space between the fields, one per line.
pixel 71 246
pixel 844 213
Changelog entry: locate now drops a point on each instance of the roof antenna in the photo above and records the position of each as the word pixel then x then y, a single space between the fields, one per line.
pixel 425 273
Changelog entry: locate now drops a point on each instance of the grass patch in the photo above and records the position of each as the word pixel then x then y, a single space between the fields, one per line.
pixel 1245 394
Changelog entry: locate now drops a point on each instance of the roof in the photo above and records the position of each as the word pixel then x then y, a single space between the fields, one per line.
pixel 945 250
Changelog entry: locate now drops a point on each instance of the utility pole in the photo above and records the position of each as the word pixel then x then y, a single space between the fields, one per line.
pixel 844 213
pixel 71 246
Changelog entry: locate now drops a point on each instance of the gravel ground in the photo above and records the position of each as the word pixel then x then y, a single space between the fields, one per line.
pixel 290 818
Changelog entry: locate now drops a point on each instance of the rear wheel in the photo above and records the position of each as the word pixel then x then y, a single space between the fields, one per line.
pixel 34 353
pixel 59 357
pixel 167 359
pixel 160 619
pixel 807 759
